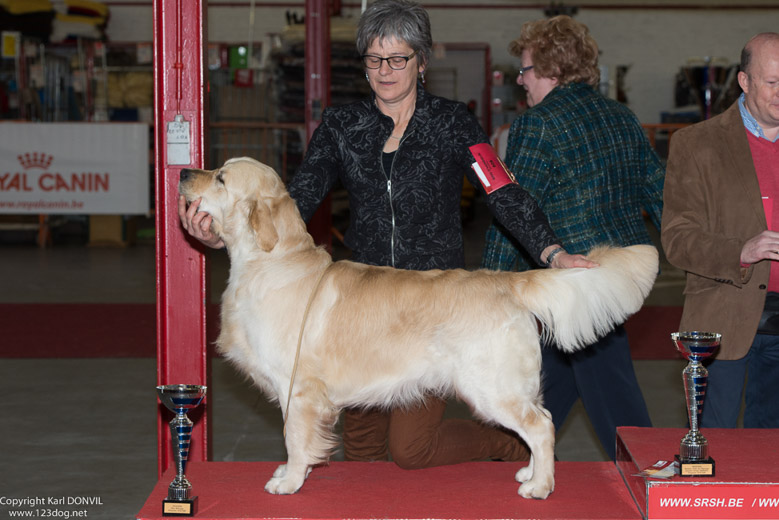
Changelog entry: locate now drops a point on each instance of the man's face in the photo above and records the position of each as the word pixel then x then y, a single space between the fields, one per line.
pixel 760 84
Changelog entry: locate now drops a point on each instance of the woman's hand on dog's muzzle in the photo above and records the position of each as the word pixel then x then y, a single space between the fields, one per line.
pixel 198 224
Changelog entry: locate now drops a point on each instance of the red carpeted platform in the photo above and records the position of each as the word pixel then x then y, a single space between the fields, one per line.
pixel 477 490
pixel 75 330
pixel 649 332
pixel 84 330
pixel 745 484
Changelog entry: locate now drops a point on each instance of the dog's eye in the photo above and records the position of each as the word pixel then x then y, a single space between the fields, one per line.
pixel 220 178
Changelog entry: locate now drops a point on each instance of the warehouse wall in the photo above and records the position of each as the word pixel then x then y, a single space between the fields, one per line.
pixel 654 42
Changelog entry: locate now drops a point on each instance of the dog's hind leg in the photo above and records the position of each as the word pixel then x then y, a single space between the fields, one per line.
pixel 308 437
pixel 534 424
pixel 504 387
pixel 513 402
pixel 537 478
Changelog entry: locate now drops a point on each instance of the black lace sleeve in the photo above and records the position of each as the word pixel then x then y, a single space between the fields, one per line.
pixel 511 205
pixel 519 213
pixel 318 173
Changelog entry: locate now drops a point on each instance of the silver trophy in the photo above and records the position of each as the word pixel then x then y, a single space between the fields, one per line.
pixel 693 457
pixel 179 399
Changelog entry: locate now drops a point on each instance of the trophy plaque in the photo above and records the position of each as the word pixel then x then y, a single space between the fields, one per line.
pixel 179 399
pixel 693 457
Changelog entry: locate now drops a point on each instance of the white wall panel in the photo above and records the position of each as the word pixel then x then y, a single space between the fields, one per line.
pixel 654 42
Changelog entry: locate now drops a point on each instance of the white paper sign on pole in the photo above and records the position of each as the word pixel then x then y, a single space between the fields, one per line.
pixel 74 168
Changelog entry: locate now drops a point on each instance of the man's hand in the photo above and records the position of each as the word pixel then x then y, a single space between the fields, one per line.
pixel 198 224
pixel 764 246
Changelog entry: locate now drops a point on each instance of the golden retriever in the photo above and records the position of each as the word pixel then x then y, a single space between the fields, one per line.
pixel 352 335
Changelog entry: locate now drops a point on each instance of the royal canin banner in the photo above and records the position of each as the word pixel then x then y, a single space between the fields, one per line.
pixel 82 168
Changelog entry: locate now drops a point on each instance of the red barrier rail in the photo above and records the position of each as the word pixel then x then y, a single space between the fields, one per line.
pixel 279 145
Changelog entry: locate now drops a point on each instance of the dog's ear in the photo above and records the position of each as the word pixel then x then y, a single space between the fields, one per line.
pixel 262 224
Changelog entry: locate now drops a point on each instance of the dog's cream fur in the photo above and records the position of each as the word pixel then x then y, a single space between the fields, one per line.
pixel 383 336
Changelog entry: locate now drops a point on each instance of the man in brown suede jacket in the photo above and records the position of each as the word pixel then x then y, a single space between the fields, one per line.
pixel 721 225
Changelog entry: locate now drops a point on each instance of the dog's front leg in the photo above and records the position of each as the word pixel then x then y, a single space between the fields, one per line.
pixel 288 478
pixel 306 441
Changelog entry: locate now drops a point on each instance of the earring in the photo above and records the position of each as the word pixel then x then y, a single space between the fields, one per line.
pixel 422 76
pixel 367 78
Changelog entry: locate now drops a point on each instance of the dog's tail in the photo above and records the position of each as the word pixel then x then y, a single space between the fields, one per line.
pixel 577 306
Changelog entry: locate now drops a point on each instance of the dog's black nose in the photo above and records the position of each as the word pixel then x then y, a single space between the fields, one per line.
pixel 184 174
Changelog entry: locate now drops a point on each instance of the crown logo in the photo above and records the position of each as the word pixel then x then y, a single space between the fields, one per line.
pixel 35 160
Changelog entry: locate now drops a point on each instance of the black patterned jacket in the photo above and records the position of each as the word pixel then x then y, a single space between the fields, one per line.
pixel 408 217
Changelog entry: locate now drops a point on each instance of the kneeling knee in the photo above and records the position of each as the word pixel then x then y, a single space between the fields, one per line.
pixel 410 457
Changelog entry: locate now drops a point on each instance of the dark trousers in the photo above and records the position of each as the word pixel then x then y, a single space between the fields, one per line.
pixel 754 378
pixel 419 437
pixel 602 375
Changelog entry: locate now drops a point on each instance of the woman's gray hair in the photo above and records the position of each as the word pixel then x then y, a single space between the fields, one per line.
pixel 399 19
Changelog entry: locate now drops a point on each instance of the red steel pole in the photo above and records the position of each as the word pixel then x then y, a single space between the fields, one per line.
pixel 317 93
pixel 182 295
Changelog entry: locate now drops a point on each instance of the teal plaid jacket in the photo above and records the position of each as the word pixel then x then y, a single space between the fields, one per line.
pixel 586 160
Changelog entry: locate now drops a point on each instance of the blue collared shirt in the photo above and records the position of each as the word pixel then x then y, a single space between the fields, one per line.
pixel 750 123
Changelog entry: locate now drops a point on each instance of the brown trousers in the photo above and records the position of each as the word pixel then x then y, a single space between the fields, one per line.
pixel 420 438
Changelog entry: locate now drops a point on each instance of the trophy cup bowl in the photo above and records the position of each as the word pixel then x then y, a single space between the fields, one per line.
pixel 695 346
pixel 179 399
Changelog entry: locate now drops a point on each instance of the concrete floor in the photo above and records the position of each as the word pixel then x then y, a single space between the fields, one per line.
pixel 87 427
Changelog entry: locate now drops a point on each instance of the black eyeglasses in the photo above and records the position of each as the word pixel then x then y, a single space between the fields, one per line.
pixel 523 70
pixel 395 62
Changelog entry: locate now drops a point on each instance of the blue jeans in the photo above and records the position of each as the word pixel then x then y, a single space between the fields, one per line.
pixel 602 375
pixel 727 387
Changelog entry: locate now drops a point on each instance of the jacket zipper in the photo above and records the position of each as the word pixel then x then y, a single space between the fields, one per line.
pixel 389 194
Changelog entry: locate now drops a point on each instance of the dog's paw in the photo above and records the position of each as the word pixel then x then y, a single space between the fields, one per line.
pixel 536 489
pixel 524 474
pixel 280 471
pixel 282 486
pixel 287 480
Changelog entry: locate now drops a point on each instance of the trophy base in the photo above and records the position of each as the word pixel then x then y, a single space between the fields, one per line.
pixel 186 507
pixel 695 468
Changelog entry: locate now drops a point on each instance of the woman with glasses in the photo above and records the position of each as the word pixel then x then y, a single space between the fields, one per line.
pixel 401 155
pixel 587 162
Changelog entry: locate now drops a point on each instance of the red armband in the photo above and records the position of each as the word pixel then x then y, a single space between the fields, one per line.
pixel 491 171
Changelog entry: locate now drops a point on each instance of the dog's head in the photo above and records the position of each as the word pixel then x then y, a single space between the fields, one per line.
pixel 241 196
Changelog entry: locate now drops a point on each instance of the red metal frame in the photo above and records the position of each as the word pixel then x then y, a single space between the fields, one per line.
pixel 182 288
pixel 486 94
pixel 317 88
pixel 179 86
